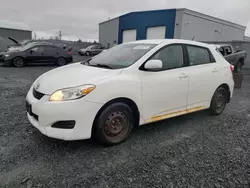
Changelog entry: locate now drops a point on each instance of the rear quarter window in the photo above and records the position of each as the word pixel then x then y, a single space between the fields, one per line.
pixel 199 55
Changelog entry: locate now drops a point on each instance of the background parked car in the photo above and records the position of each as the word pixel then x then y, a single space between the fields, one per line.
pixel 236 58
pixel 18 44
pixel 35 53
pixel 91 50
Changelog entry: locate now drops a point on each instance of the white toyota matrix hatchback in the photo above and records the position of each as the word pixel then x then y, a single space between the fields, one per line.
pixel 129 85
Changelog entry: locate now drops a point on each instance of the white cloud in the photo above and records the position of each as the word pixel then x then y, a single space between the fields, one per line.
pixel 79 19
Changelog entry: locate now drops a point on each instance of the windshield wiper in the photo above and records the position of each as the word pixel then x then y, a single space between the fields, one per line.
pixel 103 66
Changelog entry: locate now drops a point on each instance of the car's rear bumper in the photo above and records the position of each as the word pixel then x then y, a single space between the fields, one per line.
pixel 69 59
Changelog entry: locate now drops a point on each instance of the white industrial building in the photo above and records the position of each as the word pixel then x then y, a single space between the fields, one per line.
pixel 169 23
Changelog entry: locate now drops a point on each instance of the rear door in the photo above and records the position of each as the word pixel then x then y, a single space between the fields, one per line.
pixel 52 53
pixel 95 50
pixel 204 77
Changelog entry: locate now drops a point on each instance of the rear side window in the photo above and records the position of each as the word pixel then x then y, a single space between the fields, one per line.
pixel 198 55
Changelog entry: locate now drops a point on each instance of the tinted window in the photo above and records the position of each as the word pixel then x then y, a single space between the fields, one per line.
pixel 198 55
pixel 51 49
pixel 228 50
pixel 38 49
pixel 171 57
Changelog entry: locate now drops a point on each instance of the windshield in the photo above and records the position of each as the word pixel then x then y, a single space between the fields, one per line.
pixel 27 46
pixel 121 56
pixel 25 42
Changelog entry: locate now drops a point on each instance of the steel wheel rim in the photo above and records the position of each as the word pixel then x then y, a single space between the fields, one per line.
pixel 18 62
pixel 219 102
pixel 116 125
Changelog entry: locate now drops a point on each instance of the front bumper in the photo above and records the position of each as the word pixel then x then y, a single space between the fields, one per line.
pixel 5 61
pixel 48 113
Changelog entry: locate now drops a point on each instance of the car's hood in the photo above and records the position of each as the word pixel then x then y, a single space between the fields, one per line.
pixel 70 76
pixel 15 41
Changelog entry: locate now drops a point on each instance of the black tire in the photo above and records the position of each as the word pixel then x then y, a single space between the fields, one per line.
pixel 61 61
pixel 114 124
pixel 88 53
pixel 18 62
pixel 218 102
pixel 238 67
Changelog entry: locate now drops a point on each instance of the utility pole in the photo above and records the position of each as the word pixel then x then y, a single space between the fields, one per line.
pixel 60 35
pixel 35 35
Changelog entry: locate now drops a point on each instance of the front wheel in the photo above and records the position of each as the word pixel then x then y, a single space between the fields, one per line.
pixel 218 102
pixel 18 62
pixel 114 124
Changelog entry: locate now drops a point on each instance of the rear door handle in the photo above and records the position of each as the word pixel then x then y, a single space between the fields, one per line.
pixel 183 75
pixel 215 70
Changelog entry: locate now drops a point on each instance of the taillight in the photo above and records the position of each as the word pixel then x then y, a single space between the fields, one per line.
pixel 232 68
pixel 69 52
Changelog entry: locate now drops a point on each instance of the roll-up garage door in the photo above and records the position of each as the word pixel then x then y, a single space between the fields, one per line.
pixel 129 35
pixel 156 32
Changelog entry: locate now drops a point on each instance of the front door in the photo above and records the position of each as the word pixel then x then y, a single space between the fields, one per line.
pixel 36 54
pixel 164 92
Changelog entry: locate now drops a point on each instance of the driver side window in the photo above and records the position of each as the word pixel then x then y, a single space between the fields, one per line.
pixel 171 57
pixel 38 49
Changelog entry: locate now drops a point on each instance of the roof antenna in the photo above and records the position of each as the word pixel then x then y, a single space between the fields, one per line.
pixel 193 37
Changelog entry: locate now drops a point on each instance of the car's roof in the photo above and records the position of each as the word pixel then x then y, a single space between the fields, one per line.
pixel 170 41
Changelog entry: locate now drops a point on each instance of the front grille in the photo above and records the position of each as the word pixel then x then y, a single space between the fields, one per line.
pixel 38 95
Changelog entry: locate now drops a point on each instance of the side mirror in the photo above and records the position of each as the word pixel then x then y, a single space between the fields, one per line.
pixel 153 64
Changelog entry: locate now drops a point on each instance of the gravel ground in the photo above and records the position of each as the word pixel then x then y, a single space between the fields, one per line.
pixel 196 150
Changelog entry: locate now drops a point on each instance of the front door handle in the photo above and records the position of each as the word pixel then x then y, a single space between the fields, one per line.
pixel 215 70
pixel 183 75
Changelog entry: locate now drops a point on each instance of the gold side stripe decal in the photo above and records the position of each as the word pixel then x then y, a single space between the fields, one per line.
pixel 174 114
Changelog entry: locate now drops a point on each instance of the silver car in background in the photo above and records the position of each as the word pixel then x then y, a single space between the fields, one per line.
pixel 91 50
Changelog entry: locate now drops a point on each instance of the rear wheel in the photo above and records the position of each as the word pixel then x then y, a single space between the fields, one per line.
pixel 18 62
pixel 114 124
pixel 218 102
pixel 61 61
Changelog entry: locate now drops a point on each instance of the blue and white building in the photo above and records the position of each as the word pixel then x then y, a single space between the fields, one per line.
pixel 168 23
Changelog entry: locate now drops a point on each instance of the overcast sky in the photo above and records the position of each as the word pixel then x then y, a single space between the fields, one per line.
pixel 80 18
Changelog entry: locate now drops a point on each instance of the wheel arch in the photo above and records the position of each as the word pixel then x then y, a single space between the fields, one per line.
pixel 227 88
pixel 24 60
pixel 125 100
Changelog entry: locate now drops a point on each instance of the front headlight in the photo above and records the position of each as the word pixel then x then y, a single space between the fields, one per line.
pixel 6 55
pixel 71 93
